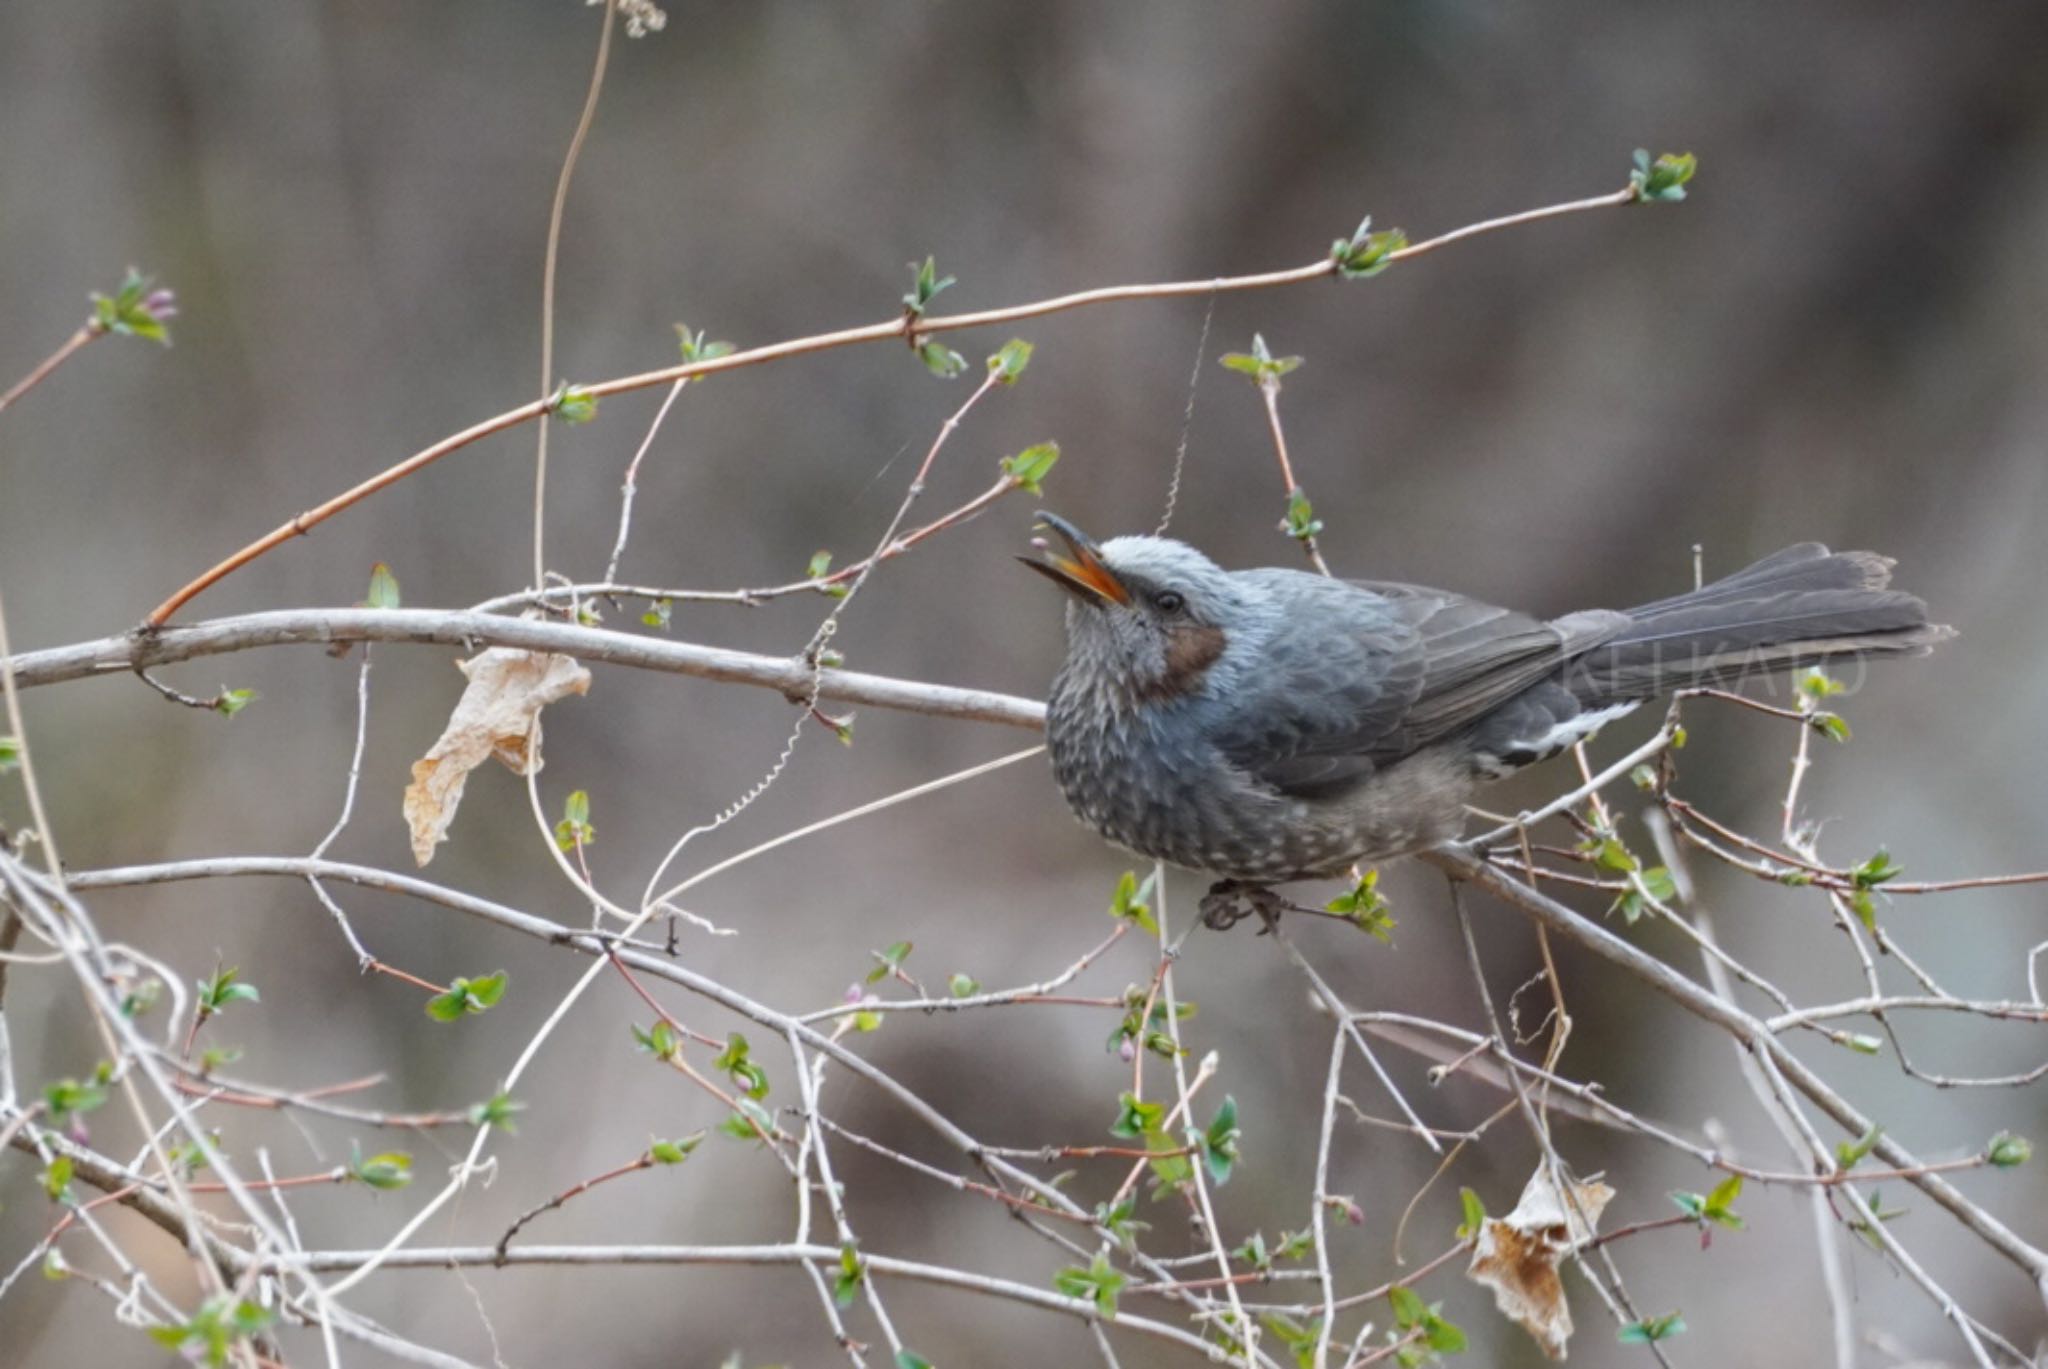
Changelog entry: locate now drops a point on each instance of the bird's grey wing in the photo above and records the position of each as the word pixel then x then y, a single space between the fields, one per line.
pixel 1339 670
pixel 1385 670
pixel 1477 656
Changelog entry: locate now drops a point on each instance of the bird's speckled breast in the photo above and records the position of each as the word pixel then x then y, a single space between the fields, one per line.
pixel 1149 779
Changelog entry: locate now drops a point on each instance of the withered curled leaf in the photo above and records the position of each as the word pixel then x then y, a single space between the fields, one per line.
pixel 1517 1255
pixel 498 715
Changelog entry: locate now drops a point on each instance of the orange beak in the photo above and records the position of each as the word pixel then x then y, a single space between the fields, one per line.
pixel 1082 573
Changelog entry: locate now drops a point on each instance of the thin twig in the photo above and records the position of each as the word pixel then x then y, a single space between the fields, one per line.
pixel 547 285
pixel 43 368
pixel 894 329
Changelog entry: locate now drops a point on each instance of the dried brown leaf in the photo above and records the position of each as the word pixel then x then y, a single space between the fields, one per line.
pixel 1517 1255
pixel 497 715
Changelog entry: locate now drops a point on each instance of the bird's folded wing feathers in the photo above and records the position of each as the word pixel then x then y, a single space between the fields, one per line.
pixel 1400 667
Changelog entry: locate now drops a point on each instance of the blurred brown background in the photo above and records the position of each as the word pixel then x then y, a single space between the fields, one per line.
pixel 1839 336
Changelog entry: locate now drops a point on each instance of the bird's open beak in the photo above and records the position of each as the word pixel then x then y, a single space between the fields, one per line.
pixel 1082 574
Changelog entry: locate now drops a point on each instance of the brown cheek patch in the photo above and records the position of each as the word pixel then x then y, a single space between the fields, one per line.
pixel 1190 650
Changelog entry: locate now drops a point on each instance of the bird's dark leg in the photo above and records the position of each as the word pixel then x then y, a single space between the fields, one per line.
pixel 1230 901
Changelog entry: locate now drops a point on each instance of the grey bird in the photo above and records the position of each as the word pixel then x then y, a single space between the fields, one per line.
pixel 1272 725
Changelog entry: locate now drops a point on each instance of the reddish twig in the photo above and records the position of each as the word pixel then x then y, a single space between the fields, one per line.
pixel 43 368
pixel 644 1161
pixel 896 328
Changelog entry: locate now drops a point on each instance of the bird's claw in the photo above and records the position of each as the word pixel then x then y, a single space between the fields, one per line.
pixel 1231 901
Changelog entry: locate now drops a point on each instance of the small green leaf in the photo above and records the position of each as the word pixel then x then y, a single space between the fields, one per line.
pixel 1132 901
pixel 1834 725
pixel 748 1122
pixel 695 348
pixel 1260 363
pixel 888 961
pixel 1169 1168
pixel 924 285
pixel 1298 1337
pixel 1875 871
pixel 383 588
pixel 737 1063
pixel 214 1331
pixel 1849 1153
pixel 1442 1336
pixel 1609 853
pixel 1009 361
pixel 10 753
pixel 1650 1330
pixel 1366 253
pixel 1866 878
pixel 659 614
pixel 1137 1118
pixel 1816 685
pixel 820 566
pixel 1659 884
pixel 57 1179
pixel 1475 1215
pixel 497 1111
pixel 572 403
pixel 910 1359
pixel 851 1272
pixel 1366 908
pixel 66 1099
pixel 229 702
pixel 1864 1229
pixel 135 310
pixel 1713 1207
pixel 390 1170
pixel 213 1057
pixel 1219 1143
pixel 1719 1205
pixel 1863 1043
pixel 1028 468
pixel 658 1041
pixel 963 986
pixel 1120 1221
pixel 1664 180
pixel 574 829
pixel 224 988
pixel 1099 1283
pixel 1295 1245
pixel 2008 1151
pixel 1301 522
pixel 1408 1306
pixel 467 996
pixel 676 1151
pixel 941 360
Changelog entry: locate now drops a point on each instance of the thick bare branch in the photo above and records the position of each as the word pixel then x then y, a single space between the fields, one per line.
pixel 454 627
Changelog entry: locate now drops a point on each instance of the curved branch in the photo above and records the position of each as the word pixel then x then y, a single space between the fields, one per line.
pixel 456 627
pixel 1746 1029
pixel 903 326
pixel 455 1257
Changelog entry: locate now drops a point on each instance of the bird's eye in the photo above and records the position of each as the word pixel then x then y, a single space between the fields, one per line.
pixel 1169 601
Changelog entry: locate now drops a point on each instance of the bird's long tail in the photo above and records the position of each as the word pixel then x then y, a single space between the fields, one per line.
pixel 1801 607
